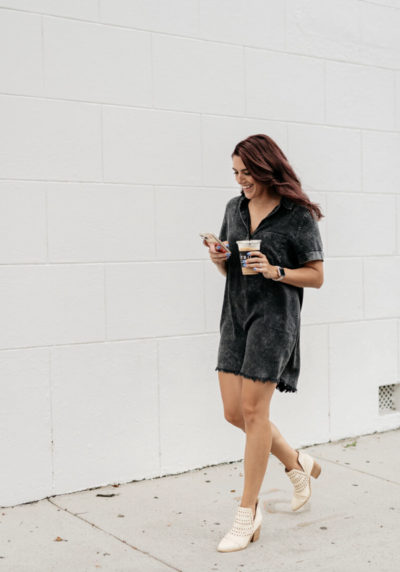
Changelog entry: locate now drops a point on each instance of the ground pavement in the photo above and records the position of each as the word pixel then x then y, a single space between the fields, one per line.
pixel 350 524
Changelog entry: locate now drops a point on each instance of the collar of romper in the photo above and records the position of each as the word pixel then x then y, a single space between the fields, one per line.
pixel 284 200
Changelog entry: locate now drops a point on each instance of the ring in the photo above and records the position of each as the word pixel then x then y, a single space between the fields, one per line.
pixel 260 264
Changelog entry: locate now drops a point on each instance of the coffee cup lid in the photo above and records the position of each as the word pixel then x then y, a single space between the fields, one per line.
pixel 248 241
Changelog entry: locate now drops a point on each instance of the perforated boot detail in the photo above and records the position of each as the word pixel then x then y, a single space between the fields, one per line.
pixel 301 480
pixel 243 531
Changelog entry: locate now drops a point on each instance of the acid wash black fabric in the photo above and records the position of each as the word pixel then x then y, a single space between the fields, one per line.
pixel 260 320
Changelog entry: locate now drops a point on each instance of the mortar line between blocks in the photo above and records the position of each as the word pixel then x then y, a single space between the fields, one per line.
pixel 158 406
pixel 176 336
pixel 201 150
pixel 362 159
pixel 245 81
pixel 363 287
pixel 204 296
pixel 397 207
pixel 102 144
pixel 284 27
pixel 51 421
pixel 165 261
pixel 105 304
pixel 355 470
pixel 155 222
pixel 396 117
pixel 324 76
pixel 398 351
pixel 217 188
pixel 199 17
pixel 215 41
pixel 395 100
pixel 214 115
pixel 329 384
pixel 113 535
pixel 47 221
pixel 151 71
pixel 43 67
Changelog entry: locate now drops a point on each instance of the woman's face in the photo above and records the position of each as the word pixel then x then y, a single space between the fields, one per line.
pixel 244 179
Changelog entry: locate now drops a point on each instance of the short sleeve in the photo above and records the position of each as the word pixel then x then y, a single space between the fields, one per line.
pixel 308 242
pixel 223 233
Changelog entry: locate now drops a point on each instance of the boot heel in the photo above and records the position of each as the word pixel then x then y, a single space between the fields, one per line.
pixel 256 534
pixel 316 470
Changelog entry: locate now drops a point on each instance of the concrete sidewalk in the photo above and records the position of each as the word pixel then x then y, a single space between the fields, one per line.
pixel 351 523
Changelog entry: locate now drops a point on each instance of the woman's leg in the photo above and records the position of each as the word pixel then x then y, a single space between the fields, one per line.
pixel 256 397
pixel 283 451
pixel 231 393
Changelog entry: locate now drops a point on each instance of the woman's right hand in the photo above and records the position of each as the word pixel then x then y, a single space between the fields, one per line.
pixel 216 256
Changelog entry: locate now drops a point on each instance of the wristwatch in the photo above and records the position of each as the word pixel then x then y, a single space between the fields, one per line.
pixel 281 274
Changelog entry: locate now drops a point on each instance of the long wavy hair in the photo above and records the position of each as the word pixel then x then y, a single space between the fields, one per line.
pixel 269 167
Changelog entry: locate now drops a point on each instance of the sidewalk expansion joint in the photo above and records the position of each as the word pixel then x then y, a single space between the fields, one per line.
pixel 76 515
pixel 358 470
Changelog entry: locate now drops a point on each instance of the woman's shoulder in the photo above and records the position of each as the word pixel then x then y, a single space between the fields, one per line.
pixel 299 212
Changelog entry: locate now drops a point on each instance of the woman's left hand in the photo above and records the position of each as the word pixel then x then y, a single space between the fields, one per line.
pixel 260 264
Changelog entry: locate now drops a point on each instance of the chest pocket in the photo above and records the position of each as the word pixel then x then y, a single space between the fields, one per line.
pixel 273 245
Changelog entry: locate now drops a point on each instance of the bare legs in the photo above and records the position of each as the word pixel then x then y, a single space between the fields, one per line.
pixel 246 405
pixel 256 397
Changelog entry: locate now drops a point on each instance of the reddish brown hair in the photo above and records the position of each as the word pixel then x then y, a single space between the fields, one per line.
pixel 269 167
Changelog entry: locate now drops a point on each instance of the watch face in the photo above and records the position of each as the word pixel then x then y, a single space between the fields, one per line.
pixel 281 271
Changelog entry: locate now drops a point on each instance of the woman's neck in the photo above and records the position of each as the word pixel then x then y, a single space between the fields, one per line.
pixel 265 199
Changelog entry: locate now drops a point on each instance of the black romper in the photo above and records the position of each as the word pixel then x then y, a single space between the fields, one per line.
pixel 260 320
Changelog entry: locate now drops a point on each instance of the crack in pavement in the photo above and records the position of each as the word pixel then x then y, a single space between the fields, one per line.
pixel 113 535
pixel 354 469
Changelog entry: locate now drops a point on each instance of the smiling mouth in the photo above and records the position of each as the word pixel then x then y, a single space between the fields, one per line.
pixel 247 188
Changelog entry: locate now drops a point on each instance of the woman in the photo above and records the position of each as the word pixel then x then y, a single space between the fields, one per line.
pixel 259 348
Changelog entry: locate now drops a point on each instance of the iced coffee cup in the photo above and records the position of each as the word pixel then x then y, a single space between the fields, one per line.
pixel 245 248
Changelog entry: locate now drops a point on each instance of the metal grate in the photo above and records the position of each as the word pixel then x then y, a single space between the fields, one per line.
pixel 386 398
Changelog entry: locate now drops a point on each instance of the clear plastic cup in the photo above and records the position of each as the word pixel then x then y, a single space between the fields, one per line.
pixel 245 247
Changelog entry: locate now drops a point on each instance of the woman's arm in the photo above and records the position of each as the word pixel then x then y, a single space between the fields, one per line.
pixel 218 258
pixel 310 275
pixel 222 268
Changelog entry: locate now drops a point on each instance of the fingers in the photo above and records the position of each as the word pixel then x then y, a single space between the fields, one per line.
pixel 255 253
pixel 217 255
pixel 255 261
pixel 219 249
pixel 218 258
pixel 213 247
pixel 222 255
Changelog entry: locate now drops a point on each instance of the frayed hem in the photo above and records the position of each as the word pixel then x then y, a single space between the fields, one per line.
pixel 235 372
pixel 263 379
pixel 281 385
pixel 285 388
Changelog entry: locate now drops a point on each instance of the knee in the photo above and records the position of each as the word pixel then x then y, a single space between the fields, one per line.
pixel 253 414
pixel 234 417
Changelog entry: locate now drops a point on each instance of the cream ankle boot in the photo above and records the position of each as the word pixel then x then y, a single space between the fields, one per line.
pixel 243 531
pixel 301 479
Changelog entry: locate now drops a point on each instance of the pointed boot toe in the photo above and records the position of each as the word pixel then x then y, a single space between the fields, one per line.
pixel 245 529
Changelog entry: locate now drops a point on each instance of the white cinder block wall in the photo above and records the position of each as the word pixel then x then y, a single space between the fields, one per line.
pixel 117 121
